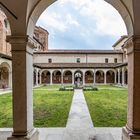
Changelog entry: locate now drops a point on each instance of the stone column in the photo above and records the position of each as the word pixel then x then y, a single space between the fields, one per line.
pixel 36 82
pixel 123 79
pixel 61 77
pixel 22 72
pixel 83 78
pixel 72 78
pixel 119 82
pixel 94 80
pixel 115 80
pixel 105 78
pixel 10 80
pixel 132 129
pixel 50 77
pixel 40 78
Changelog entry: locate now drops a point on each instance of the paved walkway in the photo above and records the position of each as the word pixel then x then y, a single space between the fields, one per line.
pixel 5 91
pixel 79 125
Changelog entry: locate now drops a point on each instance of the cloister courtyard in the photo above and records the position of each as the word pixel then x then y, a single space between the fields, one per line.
pixel 107 106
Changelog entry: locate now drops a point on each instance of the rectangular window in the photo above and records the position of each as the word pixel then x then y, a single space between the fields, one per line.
pixel 49 60
pixel 106 60
pixel 78 60
pixel 115 60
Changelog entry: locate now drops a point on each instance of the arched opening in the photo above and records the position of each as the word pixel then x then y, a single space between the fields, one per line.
pixel 67 77
pixel 89 77
pixel 110 77
pixel 100 77
pixel 31 19
pixel 78 78
pixel 118 5
pixel 56 77
pixel 38 77
pixel 117 77
pixel 120 76
pixel 4 77
pixel 45 77
pixel 126 77
pixel 34 77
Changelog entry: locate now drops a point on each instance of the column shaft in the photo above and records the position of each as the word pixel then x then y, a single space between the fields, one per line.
pixel 22 72
pixel 132 129
pixel 51 78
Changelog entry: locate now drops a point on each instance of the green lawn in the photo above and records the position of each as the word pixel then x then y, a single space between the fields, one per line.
pixel 6 110
pixel 49 87
pixel 108 108
pixel 51 108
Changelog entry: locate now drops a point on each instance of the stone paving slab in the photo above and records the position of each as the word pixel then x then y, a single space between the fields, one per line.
pixel 102 133
pixel 79 125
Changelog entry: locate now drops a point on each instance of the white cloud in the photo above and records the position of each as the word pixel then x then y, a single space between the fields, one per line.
pixel 70 20
pixel 108 20
pixel 89 18
pixel 53 20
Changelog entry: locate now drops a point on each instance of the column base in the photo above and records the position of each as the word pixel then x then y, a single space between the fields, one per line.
pixel 34 135
pixel 129 135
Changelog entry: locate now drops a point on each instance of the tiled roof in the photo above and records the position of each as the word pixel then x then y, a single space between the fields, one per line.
pixel 75 65
pixel 81 52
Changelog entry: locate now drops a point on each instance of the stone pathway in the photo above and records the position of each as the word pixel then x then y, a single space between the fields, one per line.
pixel 5 91
pixel 79 125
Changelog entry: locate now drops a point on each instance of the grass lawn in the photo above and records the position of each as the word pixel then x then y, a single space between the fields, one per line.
pixel 108 108
pixel 110 87
pixel 51 108
pixel 6 110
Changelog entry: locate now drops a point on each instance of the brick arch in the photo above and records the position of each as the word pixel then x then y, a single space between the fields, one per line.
pixel 110 77
pixel 76 77
pixel 56 77
pixel 67 77
pixel 89 77
pixel 45 77
pixel 100 76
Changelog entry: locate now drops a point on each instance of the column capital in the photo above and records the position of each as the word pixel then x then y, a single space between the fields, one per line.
pixel 21 40
pixel 132 44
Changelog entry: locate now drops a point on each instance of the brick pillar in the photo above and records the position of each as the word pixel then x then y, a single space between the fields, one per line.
pixel 22 71
pixel 132 129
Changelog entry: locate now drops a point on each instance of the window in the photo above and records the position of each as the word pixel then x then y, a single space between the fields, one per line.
pixel 49 60
pixel 115 60
pixel 106 60
pixel 78 60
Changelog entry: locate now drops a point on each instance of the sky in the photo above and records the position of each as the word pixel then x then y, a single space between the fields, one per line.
pixel 82 24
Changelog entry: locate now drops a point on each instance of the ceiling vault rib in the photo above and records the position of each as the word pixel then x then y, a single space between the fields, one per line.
pixel 4 6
